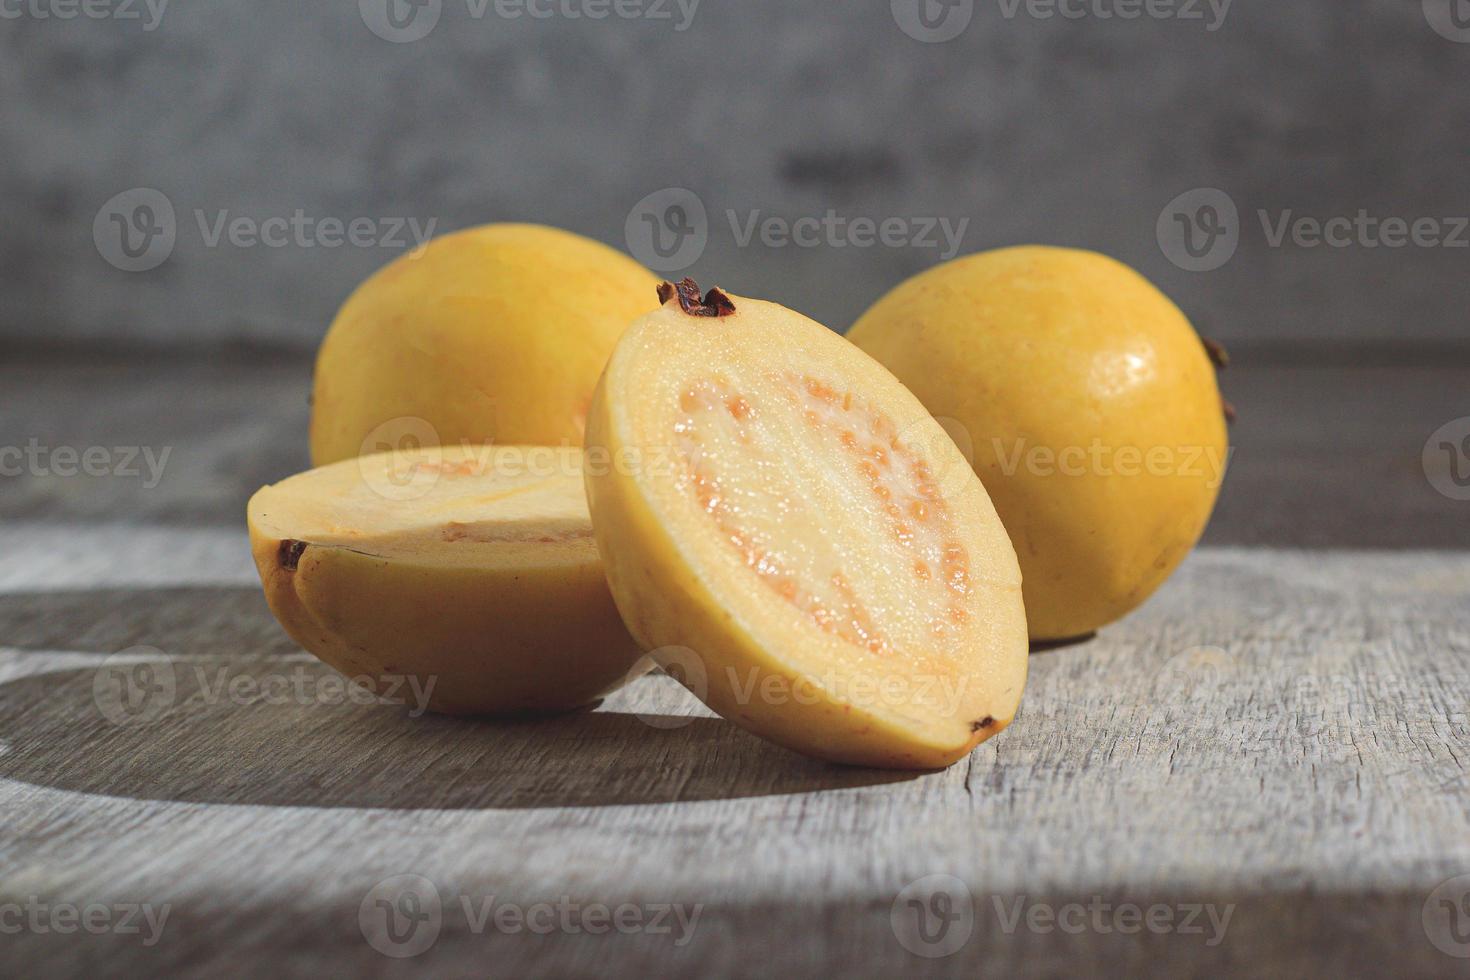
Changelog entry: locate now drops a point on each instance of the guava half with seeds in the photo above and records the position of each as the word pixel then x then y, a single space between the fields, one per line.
pixel 794 537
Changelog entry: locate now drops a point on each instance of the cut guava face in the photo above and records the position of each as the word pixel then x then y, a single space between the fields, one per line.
pixel 470 569
pixel 793 530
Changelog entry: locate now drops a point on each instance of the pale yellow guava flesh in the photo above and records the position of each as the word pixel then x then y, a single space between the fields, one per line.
pixel 792 523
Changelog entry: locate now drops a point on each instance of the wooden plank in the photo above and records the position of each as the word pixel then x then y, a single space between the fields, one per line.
pixel 1279 736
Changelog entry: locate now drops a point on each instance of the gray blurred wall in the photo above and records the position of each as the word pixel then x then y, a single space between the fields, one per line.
pixel 1033 129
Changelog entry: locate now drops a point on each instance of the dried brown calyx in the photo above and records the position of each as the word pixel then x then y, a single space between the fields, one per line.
pixel 714 302
pixel 1220 357
pixel 984 723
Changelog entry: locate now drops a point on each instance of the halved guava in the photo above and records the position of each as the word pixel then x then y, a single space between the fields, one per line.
pixel 471 570
pixel 792 535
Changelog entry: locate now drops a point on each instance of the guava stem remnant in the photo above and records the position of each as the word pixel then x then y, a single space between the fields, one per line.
pixel 984 723
pixel 1219 356
pixel 714 303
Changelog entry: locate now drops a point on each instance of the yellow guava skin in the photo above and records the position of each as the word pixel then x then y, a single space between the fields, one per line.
pixel 1090 405
pixel 492 334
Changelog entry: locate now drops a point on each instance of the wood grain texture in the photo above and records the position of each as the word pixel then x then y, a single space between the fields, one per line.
pixel 1326 455
pixel 1281 734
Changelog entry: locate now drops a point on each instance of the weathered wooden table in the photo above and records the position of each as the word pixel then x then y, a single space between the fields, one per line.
pixel 1266 770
